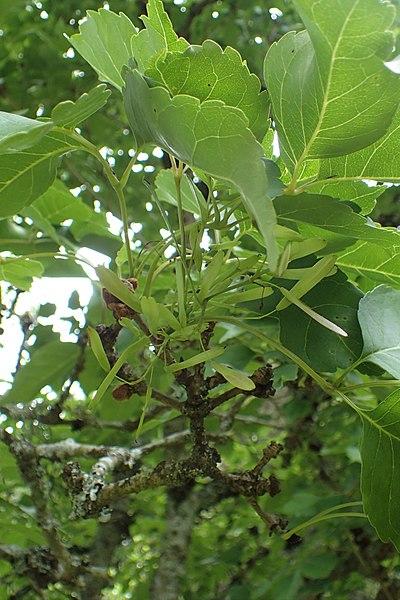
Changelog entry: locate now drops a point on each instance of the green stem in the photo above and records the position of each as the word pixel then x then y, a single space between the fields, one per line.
pixel 324 513
pixel 125 175
pixel 124 214
pixel 178 173
pixel 348 370
pixel 118 187
pixel 317 520
pixel 369 384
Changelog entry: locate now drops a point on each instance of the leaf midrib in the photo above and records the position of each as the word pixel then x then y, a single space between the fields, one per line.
pixel 325 97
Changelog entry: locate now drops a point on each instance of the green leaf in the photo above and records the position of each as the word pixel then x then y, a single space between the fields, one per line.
pixel 57 204
pixel 116 287
pixel 98 349
pixel 69 114
pixel 192 198
pixel 20 271
pixel 19 133
pixel 208 135
pixel 328 214
pixel 381 264
pixel 196 360
pixel 378 161
pixel 337 300
pixel 24 176
pixel 331 92
pixel 104 41
pixel 380 474
pixel 357 191
pixel 379 317
pixel 49 365
pixel 235 378
pixel 158 36
pixel 208 72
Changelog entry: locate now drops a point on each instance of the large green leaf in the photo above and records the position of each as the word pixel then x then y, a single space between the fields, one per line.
pixel 70 114
pixel 329 214
pixel 209 73
pixel 24 176
pixel 158 36
pixel 50 365
pixel 209 135
pixel 104 42
pixel 380 475
pixel 379 161
pixel 379 317
pixel 19 133
pixel 20 271
pixel 337 300
pixel 330 89
pixel 381 264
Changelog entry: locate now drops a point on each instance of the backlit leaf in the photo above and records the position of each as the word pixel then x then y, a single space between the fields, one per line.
pixel 104 41
pixel 20 272
pixel 157 36
pixel 208 72
pixel 70 114
pixel 330 89
pixel 378 161
pixel 379 263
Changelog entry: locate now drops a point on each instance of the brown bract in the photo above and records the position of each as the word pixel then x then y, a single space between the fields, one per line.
pixel 119 308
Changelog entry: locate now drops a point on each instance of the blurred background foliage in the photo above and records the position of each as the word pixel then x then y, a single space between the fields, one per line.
pixel 232 555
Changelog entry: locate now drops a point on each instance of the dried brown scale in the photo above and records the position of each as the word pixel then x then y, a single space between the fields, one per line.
pixel 118 308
